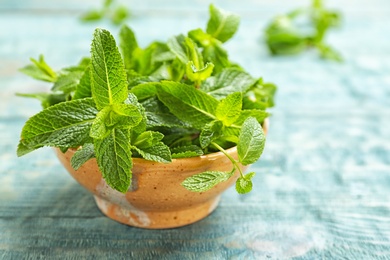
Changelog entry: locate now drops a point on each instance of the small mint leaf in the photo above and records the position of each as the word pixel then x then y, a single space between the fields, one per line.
pixel 178 47
pixel 186 151
pixel 128 44
pixel 83 88
pixel 68 82
pixel 229 108
pixel 222 25
pixel 148 139
pixel 82 155
pixel 205 180
pixel 108 76
pixel 244 184
pixel 188 103
pixel 113 156
pixel 39 70
pixel 227 82
pixel 251 141
pixel 125 116
pixel 210 132
pixel 159 152
pixel 99 129
pixel 198 75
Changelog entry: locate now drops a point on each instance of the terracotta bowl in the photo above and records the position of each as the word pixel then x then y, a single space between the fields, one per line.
pixel 156 199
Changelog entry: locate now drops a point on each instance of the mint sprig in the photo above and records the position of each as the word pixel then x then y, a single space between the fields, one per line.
pixel 170 100
pixel 285 35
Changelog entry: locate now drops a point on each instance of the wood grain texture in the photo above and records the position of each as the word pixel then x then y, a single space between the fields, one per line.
pixel 322 189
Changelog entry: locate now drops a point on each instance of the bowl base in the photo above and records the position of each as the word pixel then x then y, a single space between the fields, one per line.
pixel 156 219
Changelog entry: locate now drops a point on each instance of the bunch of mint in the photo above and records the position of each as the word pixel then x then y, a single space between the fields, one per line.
pixel 179 99
pixel 302 29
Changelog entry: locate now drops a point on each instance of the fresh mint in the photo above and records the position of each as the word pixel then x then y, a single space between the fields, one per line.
pixel 115 13
pixel 286 34
pixel 82 155
pixel 176 99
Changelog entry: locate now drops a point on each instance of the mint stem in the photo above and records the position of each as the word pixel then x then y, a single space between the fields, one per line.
pixel 235 163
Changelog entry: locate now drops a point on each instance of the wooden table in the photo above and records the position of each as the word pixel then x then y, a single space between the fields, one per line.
pixel 322 189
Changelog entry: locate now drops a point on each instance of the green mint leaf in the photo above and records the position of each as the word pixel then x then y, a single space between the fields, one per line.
pixel 82 155
pixel 198 75
pixel 222 25
pixel 159 152
pixel 93 15
pixel 251 141
pixel 186 151
pixel 244 184
pixel 176 70
pixel 147 139
pixel 177 45
pixel 39 70
pixel 120 14
pixel 107 3
pixel 47 99
pixel 193 53
pixel 125 116
pixel 145 90
pixel 210 132
pixel 66 124
pixel 132 100
pixel 188 103
pixel 99 129
pixel 108 76
pixel 260 115
pixel 159 115
pixel 229 108
pixel 83 89
pixel 329 53
pixel 68 82
pixel 227 82
pixel 113 156
pixel 205 180
pixel 128 44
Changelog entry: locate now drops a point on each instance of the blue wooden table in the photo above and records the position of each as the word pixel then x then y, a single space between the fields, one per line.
pixel 322 189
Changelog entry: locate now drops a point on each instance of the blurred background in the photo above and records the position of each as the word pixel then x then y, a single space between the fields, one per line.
pixel 322 188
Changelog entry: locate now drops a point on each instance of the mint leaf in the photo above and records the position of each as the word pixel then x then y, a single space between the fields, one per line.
pixel 229 109
pixel 188 103
pixel 210 132
pixel 244 184
pixel 83 89
pixel 39 70
pixel 178 47
pixel 159 152
pixel 145 90
pixel 82 155
pixel 132 100
pixel 251 141
pixel 198 75
pixel 125 116
pixel 99 129
pixel 120 14
pixel 260 115
pixel 66 124
pixel 148 139
pixel 113 156
pixel 222 25
pixel 68 82
pixel 205 180
pixel 92 15
pixel 108 76
pixel 227 82
pixel 128 44
pixel 186 151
